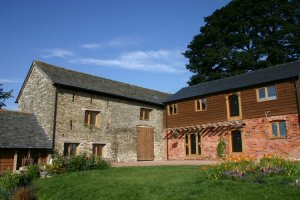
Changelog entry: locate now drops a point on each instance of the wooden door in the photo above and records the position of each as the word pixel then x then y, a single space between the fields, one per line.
pixel 6 159
pixel 145 143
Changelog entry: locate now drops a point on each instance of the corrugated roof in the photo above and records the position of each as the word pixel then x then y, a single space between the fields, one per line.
pixel 83 81
pixel 21 130
pixel 275 73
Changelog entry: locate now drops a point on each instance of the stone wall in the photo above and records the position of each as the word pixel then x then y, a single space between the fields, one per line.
pixel 38 97
pixel 116 129
pixel 256 135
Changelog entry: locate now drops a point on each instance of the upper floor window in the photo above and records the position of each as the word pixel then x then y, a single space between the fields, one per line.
pixel 70 149
pixel 145 114
pixel 267 93
pixel 279 129
pixel 91 118
pixel 98 149
pixel 200 104
pixel 234 106
pixel 172 109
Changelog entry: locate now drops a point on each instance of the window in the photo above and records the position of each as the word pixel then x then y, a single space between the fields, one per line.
pixel 98 149
pixel 70 149
pixel 234 107
pixel 145 114
pixel 90 118
pixel 192 144
pixel 236 141
pixel 172 109
pixel 200 104
pixel 279 129
pixel 267 93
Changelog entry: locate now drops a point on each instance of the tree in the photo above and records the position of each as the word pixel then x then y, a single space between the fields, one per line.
pixel 3 96
pixel 244 36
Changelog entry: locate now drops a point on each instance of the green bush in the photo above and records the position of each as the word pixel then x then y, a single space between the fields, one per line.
pixel 245 168
pixel 62 164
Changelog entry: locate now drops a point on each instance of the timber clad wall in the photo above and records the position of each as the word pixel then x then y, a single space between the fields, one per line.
pixel 217 112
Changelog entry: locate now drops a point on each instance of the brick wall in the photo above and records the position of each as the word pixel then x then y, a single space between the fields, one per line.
pixel 256 135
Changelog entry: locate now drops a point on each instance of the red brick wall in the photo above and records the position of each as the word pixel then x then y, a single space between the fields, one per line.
pixel 257 140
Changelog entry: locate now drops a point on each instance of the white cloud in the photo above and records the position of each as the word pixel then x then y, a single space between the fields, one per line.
pixel 170 61
pixel 115 43
pixel 61 53
pixel 9 81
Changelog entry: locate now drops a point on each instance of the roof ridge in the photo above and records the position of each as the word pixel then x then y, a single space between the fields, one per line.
pixel 70 70
pixel 255 71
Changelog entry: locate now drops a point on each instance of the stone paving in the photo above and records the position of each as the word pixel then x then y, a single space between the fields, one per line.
pixel 161 163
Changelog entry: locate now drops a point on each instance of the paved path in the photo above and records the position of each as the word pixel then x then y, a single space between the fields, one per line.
pixel 159 163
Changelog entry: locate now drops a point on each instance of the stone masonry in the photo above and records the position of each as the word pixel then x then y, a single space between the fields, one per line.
pixel 118 119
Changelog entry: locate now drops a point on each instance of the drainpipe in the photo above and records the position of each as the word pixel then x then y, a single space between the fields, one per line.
pixel 54 118
pixel 297 98
pixel 167 133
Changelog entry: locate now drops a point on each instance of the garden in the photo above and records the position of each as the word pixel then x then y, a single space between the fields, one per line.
pixel 240 177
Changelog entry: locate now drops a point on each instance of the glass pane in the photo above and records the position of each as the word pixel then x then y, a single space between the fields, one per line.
pixel 234 105
pixel 73 149
pixel 198 105
pixel 275 129
pixel 99 152
pixel 93 119
pixel 199 149
pixel 147 114
pixel 66 149
pixel 141 114
pixel 203 104
pixel 282 128
pixel 199 138
pixel 262 93
pixel 171 109
pixel 193 144
pixel 175 109
pixel 272 92
pixel 186 139
pixel 236 137
pixel 86 118
pixel 186 150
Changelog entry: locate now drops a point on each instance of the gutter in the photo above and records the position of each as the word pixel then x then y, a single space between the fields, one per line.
pixel 54 118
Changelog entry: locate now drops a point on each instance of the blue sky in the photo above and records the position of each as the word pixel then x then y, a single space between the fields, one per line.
pixel 136 42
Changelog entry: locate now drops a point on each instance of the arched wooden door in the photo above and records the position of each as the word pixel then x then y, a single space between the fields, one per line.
pixel 145 143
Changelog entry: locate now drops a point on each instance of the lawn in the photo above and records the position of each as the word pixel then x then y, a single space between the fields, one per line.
pixel 161 182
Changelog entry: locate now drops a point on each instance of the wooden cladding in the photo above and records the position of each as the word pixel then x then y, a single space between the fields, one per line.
pixel 217 106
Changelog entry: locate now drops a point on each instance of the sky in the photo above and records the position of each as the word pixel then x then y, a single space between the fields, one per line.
pixel 138 42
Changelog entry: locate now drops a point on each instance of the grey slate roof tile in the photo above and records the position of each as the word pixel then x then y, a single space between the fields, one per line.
pixel 21 130
pixel 275 73
pixel 83 81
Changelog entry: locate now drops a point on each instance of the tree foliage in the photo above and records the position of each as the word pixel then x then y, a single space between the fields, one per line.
pixel 3 96
pixel 245 35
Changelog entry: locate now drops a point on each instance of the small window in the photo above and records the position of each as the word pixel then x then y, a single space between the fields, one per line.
pixel 236 141
pixel 70 149
pixel 172 109
pixel 279 129
pixel 267 93
pixel 90 118
pixel 200 104
pixel 98 149
pixel 145 114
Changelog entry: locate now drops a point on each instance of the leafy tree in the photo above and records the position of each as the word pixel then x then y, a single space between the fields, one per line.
pixel 245 35
pixel 3 96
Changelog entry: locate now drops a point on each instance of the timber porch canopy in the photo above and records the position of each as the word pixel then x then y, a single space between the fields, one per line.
pixel 214 127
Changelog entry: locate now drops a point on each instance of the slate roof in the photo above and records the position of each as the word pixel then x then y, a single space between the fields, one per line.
pixel 64 77
pixel 275 73
pixel 21 130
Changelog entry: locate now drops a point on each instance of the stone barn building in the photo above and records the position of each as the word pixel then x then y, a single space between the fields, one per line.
pixel 81 113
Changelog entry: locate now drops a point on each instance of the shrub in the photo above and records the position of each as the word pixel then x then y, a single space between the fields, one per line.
pixel 62 164
pixel 24 193
pixel 242 168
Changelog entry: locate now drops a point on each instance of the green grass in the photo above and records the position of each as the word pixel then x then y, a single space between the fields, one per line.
pixel 162 182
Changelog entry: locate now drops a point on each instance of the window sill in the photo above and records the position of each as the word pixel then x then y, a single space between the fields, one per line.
pixel 274 138
pixel 264 100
